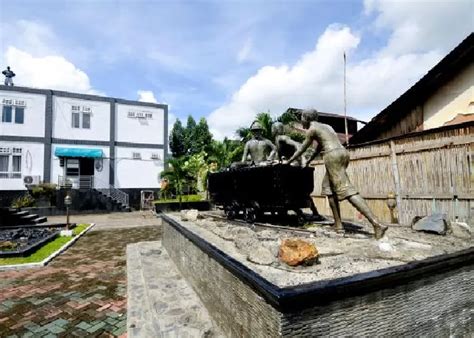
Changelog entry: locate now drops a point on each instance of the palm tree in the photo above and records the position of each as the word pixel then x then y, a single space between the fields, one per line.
pixel 176 175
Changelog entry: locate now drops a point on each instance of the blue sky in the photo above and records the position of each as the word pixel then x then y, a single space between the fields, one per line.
pixel 228 60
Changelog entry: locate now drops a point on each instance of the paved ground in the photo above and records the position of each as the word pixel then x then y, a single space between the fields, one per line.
pixel 83 291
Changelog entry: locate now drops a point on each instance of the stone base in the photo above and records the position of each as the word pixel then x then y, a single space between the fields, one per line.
pixel 160 302
pixel 430 297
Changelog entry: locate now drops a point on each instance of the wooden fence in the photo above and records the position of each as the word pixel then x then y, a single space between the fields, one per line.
pixel 429 171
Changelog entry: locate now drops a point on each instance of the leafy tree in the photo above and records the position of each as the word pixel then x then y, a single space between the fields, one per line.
pixel 176 175
pixel 190 134
pixel 225 152
pixel 178 139
pixel 196 168
pixel 266 122
pixel 287 118
pixel 202 138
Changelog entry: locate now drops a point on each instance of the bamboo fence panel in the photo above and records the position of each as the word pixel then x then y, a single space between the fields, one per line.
pixel 435 169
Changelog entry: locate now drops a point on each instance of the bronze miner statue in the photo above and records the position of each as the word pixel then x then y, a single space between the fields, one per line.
pixel 336 184
pixel 259 148
pixel 285 146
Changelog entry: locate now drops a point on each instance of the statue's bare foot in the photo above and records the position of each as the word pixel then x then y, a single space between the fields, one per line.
pixel 339 228
pixel 380 230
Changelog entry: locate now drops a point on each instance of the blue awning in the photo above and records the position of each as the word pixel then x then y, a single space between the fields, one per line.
pixel 78 152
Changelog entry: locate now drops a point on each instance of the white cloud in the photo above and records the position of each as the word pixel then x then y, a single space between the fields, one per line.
pixel 32 50
pixel 51 72
pixel 417 26
pixel 146 96
pixel 418 39
pixel 245 52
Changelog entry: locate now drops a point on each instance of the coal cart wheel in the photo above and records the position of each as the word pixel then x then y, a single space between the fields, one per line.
pixel 300 218
pixel 230 213
pixel 250 215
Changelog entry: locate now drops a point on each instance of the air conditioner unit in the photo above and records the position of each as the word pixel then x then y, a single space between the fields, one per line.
pixel 31 180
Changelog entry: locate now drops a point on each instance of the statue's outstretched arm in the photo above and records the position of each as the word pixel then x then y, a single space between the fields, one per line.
pixel 306 144
pixel 313 155
pixel 274 150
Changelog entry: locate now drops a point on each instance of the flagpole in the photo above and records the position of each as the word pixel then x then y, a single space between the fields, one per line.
pixel 345 101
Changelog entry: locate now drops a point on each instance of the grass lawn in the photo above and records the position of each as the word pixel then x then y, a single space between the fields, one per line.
pixel 45 250
pixel 184 198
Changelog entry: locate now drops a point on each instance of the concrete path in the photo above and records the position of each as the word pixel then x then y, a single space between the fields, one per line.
pixel 116 220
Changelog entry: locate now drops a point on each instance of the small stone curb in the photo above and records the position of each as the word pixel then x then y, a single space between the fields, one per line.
pixel 49 258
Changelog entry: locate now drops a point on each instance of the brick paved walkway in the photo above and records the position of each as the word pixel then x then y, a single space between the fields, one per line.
pixel 81 293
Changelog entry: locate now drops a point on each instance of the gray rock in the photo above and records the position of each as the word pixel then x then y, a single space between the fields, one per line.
pixel 261 255
pixel 189 215
pixel 246 244
pixel 461 230
pixel 437 223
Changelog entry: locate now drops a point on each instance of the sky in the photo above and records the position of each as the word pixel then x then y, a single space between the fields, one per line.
pixel 229 60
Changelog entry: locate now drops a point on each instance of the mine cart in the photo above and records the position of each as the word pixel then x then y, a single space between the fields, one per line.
pixel 255 190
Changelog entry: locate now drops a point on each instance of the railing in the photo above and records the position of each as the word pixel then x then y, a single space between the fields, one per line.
pixel 112 192
pixel 76 182
pixel 115 194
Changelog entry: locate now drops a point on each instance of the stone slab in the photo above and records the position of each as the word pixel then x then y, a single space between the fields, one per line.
pixel 429 296
pixel 160 302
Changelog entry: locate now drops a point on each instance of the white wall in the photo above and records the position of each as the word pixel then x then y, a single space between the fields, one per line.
pixel 130 173
pixel 32 160
pixel 139 130
pixel 62 119
pixel 455 97
pixel 34 118
pixel 101 178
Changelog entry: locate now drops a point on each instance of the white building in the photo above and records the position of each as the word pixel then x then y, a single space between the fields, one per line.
pixel 85 140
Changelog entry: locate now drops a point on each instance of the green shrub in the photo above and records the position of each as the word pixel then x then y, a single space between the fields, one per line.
pixel 184 198
pixel 45 189
pixel 24 201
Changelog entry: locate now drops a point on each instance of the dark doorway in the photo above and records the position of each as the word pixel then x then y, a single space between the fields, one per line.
pixel 86 166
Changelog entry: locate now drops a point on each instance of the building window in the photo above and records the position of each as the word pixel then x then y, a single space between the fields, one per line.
pixel 7 114
pixel 75 120
pixel 81 119
pixel 10 163
pixel 13 111
pixel 86 120
pixel 19 115
pixel 72 167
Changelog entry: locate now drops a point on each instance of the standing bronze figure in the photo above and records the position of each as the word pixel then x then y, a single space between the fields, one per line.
pixel 336 184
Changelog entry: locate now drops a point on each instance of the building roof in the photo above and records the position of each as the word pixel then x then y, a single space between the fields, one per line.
pixel 80 96
pixel 446 69
pixel 320 113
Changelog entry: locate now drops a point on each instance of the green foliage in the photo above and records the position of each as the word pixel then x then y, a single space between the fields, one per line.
pixel 190 135
pixel 202 138
pixel 196 168
pixel 24 201
pixel 176 174
pixel 47 190
pixel 287 118
pixel 177 139
pixel 226 152
pixel 296 136
pixel 184 198
pixel 79 228
pixel 266 122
